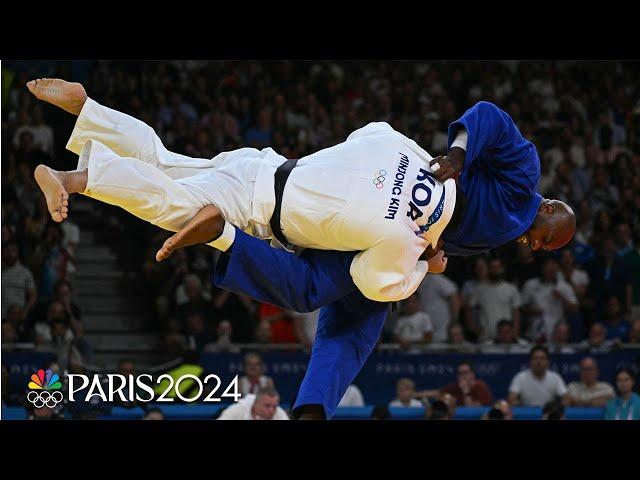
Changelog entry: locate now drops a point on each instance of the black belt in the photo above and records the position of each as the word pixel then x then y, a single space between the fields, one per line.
pixel 280 180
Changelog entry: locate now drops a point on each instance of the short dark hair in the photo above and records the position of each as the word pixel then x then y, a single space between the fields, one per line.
pixel 626 369
pixel 504 322
pixel 538 348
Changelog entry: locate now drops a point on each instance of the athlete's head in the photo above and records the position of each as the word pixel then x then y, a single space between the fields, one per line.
pixel 553 227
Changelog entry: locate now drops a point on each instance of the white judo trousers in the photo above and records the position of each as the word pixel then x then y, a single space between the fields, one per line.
pixel 128 166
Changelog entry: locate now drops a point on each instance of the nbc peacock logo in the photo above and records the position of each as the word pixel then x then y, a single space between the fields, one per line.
pixel 45 389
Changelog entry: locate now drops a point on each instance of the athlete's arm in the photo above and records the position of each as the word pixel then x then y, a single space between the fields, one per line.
pixel 492 138
pixel 391 270
pixel 207 226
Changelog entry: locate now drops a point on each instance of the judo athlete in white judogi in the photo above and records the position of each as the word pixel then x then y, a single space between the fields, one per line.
pixel 374 193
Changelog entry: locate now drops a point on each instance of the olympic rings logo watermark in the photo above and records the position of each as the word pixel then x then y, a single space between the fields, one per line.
pixel 45 389
pixel 379 178
pixel 44 398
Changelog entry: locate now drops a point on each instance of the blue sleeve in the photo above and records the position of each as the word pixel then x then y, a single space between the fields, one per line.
pixel 496 146
pixel 300 283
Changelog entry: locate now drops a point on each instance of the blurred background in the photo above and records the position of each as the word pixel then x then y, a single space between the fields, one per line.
pixel 87 296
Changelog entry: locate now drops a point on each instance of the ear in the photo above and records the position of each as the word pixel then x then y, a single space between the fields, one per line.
pixel 547 207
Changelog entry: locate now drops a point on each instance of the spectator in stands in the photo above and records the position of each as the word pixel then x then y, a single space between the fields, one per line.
pixel 469 288
pixel 414 326
pixel 439 298
pixel 18 286
pixel 559 342
pixel 63 294
pixel 263 332
pixel 153 414
pixel 626 405
pixel 537 385
pixel 456 340
pixel 495 300
pixel 609 277
pixel 573 275
pixel 19 326
pixel 126 367
pixel 597 341
pixel 589 391
pixel 197 331
pixel 254 377
pixel 526 265
pixel 224 332
pixel 352 397
pixel 467 390
pixel 617 325
pixel 506 340
pixel 174 341
pixel 264 405
pixel 405 394
pixel 193 300
pixel 9 333
pixel 546 301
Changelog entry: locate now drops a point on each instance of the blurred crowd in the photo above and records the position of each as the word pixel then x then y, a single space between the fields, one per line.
pixel 583 117
pixel 38 255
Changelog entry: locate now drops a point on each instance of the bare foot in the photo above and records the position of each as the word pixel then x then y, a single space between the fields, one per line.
pixel 204 227
pixel 66 95
pixel 51 184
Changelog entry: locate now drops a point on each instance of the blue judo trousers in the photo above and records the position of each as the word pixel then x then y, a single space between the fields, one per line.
pixel 499 180
pixel 349 324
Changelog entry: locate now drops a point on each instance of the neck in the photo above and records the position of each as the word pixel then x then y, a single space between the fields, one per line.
pixel 626 396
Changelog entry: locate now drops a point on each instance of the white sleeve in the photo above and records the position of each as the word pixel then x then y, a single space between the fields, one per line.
pixel 391 270
pixel 370 129
pixel 461 140
pixel 226 239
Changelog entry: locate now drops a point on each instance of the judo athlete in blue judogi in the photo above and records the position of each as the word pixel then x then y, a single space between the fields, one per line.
pixel 496 172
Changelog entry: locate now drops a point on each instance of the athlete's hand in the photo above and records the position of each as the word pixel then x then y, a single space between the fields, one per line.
pixel 449 166
pixel 437 263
